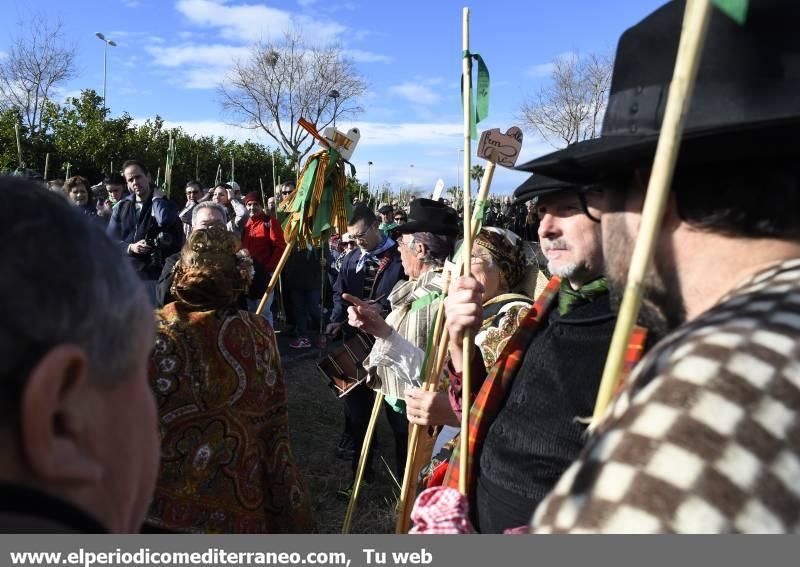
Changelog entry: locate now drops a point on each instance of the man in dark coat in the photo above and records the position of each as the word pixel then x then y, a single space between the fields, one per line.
pixel 369 272
pixel 146 225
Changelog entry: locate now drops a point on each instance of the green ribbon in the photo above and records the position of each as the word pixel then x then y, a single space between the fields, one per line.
pixel 735 9
pixel 479 111
pixel 425 300
pixel 569 298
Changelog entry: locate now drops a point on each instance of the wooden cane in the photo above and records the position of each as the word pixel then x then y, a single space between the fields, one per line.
pixel 403 509
pixel 695 26
pixel 362 462
pixel 434 371
pixel 273 280
pixel 466 249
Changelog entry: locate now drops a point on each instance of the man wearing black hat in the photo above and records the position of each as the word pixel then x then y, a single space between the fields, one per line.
pixel 426 241
pixel 524 420
pixel 705 436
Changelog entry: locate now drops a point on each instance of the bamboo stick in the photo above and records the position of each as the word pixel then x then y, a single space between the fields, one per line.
pixel 19 145
pixel 263 197
pixel 695 25
pixel 432 373
pixel 46 165
pixel 466 250
pixel 362 462
pixel 401 526
pixel 276 274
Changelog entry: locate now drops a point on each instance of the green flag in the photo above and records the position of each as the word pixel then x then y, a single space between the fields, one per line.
pixel 735 9
pixel 479 109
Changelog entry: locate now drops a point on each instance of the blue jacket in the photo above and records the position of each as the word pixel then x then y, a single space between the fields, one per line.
pixel 157 215
pixel 352 282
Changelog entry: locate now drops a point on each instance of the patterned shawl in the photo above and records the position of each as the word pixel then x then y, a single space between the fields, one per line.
pixel 226 464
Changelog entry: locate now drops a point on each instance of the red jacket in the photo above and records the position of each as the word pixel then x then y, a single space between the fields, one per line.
pixel 264 240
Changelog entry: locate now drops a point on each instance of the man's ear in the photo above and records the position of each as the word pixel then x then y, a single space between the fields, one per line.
pixel 420 248
pixel 56 418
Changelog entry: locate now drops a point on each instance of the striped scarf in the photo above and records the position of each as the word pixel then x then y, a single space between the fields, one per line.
pixel 414 304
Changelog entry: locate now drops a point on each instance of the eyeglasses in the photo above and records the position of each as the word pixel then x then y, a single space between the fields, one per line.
pixel 362 235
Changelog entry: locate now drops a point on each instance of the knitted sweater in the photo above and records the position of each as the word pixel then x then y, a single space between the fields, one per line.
pixel 706 436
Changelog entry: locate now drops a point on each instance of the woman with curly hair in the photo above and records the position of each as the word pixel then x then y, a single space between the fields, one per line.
pixel 227 464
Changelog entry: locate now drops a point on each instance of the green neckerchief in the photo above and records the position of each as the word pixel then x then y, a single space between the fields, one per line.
pixel 569 298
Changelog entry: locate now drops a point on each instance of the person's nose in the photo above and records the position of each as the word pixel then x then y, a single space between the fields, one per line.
pixel 548 227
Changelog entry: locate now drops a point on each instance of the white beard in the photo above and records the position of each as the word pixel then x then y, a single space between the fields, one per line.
pixel 564 271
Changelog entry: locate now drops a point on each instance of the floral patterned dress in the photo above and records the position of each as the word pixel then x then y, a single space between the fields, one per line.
pixel 227 464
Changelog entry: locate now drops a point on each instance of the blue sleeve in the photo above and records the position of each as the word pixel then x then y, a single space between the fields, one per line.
pixel 165 212
pixel 114 230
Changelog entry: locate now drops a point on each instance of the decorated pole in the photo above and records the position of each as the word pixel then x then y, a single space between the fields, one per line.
pixel 318 202
pixel 695 26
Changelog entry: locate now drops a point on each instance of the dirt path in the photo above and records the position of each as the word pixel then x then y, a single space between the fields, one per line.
pixel 316 421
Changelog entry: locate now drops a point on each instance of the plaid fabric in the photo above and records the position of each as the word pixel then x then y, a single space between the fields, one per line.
pixel 706 437
pixel 441 511
pixel 492 393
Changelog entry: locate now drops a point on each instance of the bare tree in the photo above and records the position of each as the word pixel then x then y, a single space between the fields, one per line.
pixel 282 82
pixel 570 107
pixel 37 61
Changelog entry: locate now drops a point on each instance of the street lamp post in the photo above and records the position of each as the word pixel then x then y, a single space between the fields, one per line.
pixel 107 42
pixel 334 94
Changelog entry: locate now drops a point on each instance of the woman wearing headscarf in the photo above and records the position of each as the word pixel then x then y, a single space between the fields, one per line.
pixel 508 271
pixel 227 464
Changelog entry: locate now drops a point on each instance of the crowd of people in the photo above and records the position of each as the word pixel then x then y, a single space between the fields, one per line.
pixel 143 389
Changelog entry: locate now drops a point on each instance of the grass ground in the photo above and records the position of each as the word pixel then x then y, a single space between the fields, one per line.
pixel 316 421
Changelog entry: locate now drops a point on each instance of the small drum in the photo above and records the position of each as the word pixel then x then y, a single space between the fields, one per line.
pixel 343 368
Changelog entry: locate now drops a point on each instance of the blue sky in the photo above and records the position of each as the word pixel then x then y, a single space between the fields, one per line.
pixel 171 54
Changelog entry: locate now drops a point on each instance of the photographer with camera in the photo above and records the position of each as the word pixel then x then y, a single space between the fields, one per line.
pixel 145 224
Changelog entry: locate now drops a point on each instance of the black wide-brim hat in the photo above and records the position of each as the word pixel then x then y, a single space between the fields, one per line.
pixel 427 215
pixel 537 185
pixel 745 106
pixel 386 209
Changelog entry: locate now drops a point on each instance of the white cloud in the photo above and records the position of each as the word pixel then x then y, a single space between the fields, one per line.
pixel 194 55
pixel 541 70
pixel 253 22
pixel 361 56
pixel 214 128
pixel 408 134
pixel 546 69
pixel 416 93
